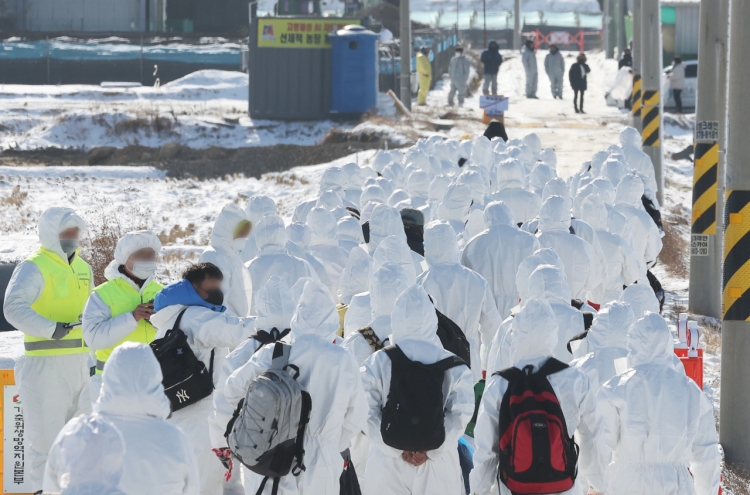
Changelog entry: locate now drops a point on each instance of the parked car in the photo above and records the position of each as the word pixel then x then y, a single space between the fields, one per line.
pixel 691 85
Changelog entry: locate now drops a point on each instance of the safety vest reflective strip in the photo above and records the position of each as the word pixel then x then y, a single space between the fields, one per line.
pixel 121 297
pixel 66 289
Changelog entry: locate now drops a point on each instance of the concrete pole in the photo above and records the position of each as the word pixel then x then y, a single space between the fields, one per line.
pixel 735 329
pixel 605 29
pixel 517 25
pixel 619 27
pixel 706 255
pixel 636 53
pixel 405 40
pixel 651 66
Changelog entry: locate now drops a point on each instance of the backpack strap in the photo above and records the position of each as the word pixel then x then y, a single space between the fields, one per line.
pixel 371 338
pixel 177 321
pixel 449 362
pixel 280 358
pixel 580 336
pixel 511 374
pixel 266 337
pixel 397 356
pixel 552 366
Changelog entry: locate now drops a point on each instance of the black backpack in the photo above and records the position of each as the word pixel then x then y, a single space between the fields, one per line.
pixel 185 378
pixel 414 415
pixel 452 337
pixel 413 221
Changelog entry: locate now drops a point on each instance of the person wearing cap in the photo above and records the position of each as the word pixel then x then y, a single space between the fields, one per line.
pixel 577 76
pixel 554 66
pixel 119 310
pixel 458 70
pixel 44 300
pixel 424 69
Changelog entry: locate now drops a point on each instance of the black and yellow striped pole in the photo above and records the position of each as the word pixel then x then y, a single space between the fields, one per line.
pixel 637 100
pixel 651 68
pixel 735 329
pixel 636 54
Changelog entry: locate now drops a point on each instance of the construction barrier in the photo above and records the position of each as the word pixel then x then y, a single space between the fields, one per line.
pixel 693 365
pixel 13 477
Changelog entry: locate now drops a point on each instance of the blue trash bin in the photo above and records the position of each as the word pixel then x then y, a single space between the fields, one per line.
pixel 354 70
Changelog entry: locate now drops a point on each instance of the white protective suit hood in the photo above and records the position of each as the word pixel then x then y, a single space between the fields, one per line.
pixel 534 143
pixel 385 221
pixel 333 179
pixel 613 170
pixel 53 221
pixel 547 282
pixel 398 196
pixel 349 230
pixel 440 246
pixel 270 235
pixel 438 186
pixel 554 215
pixel 274 305
pixel 535 332
pixel 545 256
pixel 299 235
pixel 92 452
pixel 555 187
pixel 322 226
pixel 258 207
pixel 418 184
pixel 630 137
pixel 315 313
pixel 394 249
pixel 629 191
pixel 610 326
pixel 540 175
pixel 498 213
pixel 482 154
pixel 381 160
pixel 510 175
pixel 649 341
pixel 641 299
pixel 131 384
pixel 597 161
pixel 605 189
pixel 414 324
pixel 476 182
pixel 129 244
pixel 372 194
pixel 226 223
pixel 386 284
pixel 331 201
pixel 549 157
pixel 456 204
pixel 356 275
pixel 594 212
pixel 395 174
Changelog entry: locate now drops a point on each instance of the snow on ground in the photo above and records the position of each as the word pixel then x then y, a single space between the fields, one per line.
pixel 203 109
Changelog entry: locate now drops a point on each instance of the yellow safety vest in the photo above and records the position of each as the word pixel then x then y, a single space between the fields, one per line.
pixel 121 297
pixel 66 289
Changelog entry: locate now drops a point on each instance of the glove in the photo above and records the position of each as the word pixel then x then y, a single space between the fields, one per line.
pixel 225 456
pixel 61 330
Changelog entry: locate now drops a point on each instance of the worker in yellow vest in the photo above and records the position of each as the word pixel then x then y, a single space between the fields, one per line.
pixel 119 310
pixel 424 69
pixel 44 300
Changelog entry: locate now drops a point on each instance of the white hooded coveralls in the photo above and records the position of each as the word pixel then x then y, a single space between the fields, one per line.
pixel 535 338
pixel 656 422
pixel 414 325
pixel 459 293
pixel 237 285
pixel 496 253
pixel 53 389
pixel 510 182
pixel 158 458
pixel 329 373
pixel 257 207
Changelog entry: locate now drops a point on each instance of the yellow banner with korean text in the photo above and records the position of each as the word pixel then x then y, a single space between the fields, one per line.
pixel 310 32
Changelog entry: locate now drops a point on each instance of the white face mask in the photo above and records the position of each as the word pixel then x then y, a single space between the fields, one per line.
pixel 69 246
pixel 239 244
pixel 143 269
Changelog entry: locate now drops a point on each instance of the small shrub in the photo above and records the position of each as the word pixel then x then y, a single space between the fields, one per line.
pixel 735 481
pixel 16 197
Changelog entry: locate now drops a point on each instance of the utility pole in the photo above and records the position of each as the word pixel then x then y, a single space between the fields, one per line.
pixel 405 49
pixel 517 25
pixel 706 255
pixel 651 66
pixel 606 18
pixel 636 54
pixel 619 27
pixel 484 17
pixel 735 329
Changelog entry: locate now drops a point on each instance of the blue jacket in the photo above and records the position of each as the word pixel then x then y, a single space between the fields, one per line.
pixel 183 293
pixel 491 58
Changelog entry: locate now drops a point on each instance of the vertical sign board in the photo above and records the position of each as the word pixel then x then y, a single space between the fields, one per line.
pixel 14 474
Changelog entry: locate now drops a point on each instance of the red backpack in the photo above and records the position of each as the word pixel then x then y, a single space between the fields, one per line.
pixel 536 454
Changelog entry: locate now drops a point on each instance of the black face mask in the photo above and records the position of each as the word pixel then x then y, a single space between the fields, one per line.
pixel 215 297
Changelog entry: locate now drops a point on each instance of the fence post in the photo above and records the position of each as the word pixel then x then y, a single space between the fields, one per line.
pixel 46 38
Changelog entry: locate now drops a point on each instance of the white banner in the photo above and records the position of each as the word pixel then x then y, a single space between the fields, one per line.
pixel 15 459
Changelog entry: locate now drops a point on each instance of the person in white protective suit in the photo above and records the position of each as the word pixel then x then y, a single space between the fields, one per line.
pixel 372 195
pixel 394 249
pixel 157 458
pixel 539 176
pixel 617 223
pixel 355 176
pixel 478 181
pixel 119 309
pixel 496 253
pixel 622 265
pixel 333 179
pixel 641 299
pixel 298 244
pixel 646 239
pixel 418 185
pixel 549 157
pixel 355 279
pixel 543 256
pixel 438 186
pixel 257 207
pixel 524 204
pixel 398 196
pixel 331 201
pixel 324 245
pixel 228 238
pixel 414 325
pixel 459 293
pixel 553 187
pixel 631 144
pixel 583 269
pixel 330 375
pixel 605 342
pixel 535 337
pixel 613 169
pixel 88 458
pixel 211 333
pixel 349 233
pixel 386 222
pixel 656 422
pixel 275 306
pixel 44 299
pixel 534 143
pixel 273 258
pixel 386 284
pixel 455 208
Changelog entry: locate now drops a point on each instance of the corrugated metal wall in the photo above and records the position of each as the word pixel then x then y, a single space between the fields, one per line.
pixel 687 26
pixel 83 15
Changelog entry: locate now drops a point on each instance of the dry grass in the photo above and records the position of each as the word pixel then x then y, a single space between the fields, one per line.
pixel 150 122
pixel 675 253
pixel 176 233
pixel 735 481
pixel 16 197
pixel 675 310
pixel 284 179
pixel 711 337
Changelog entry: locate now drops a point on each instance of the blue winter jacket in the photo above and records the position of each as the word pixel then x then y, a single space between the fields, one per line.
pixel 182 293
pixel 491 58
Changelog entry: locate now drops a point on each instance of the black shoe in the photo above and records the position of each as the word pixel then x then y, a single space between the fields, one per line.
pixel 582 111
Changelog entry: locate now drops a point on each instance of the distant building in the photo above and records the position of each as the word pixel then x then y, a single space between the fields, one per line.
pixel 680 21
